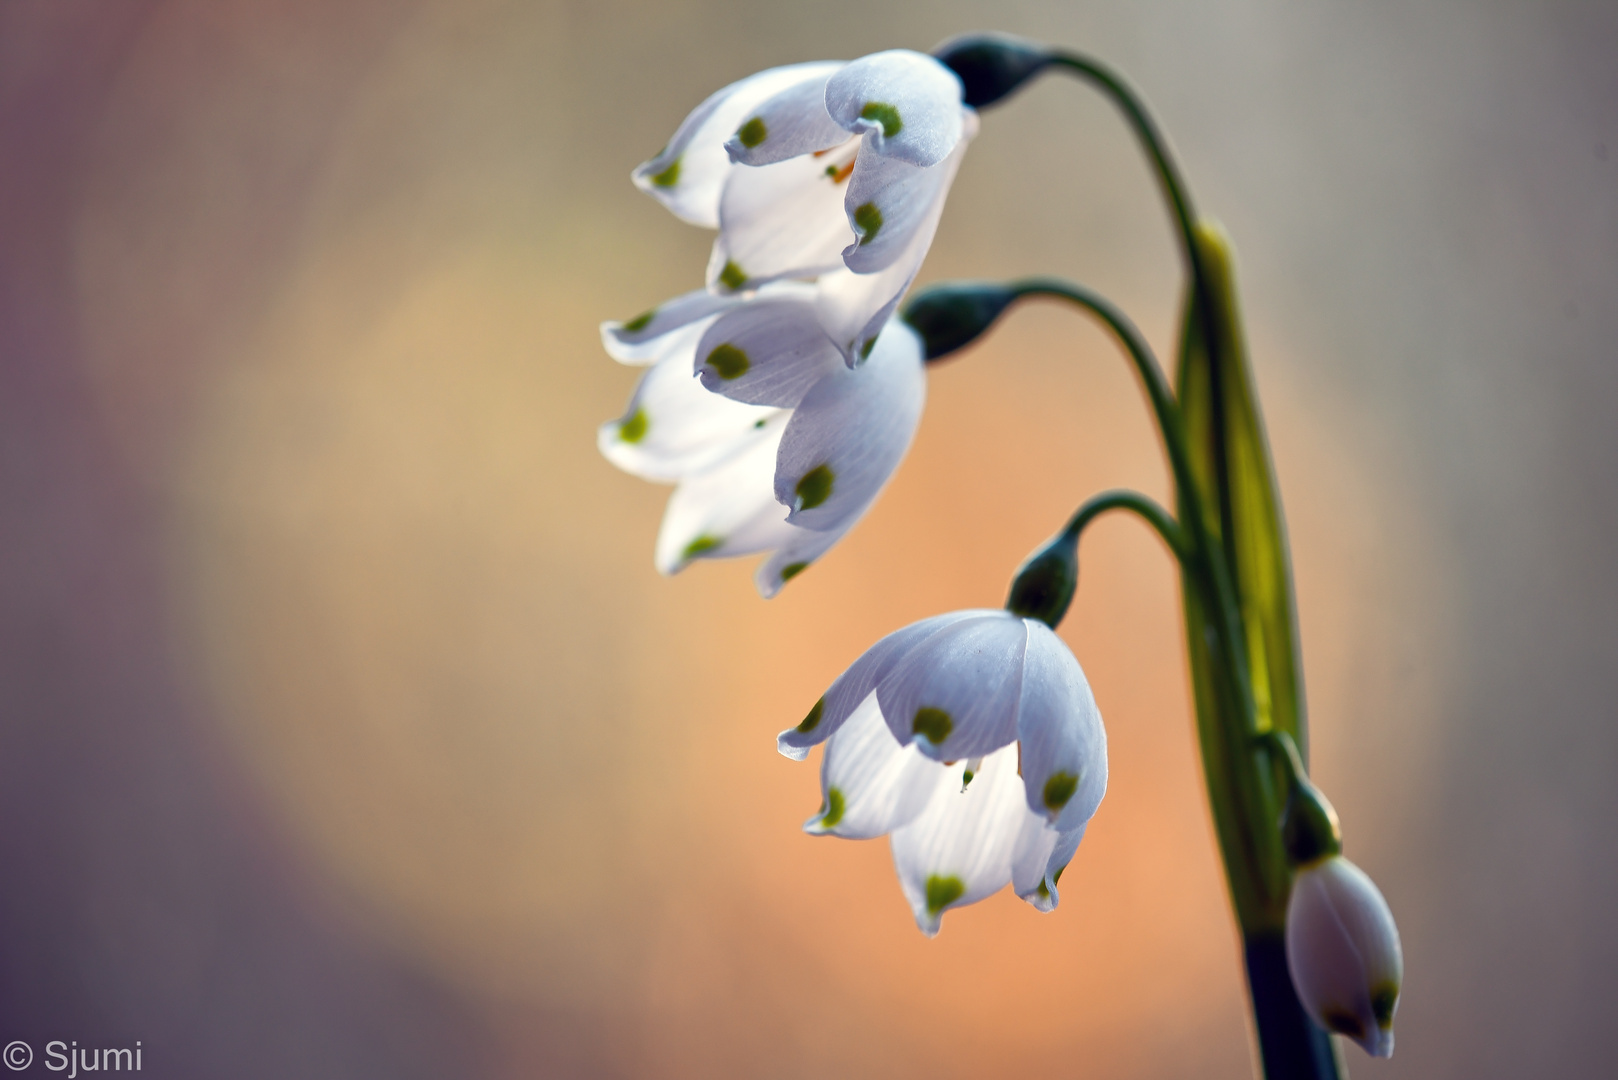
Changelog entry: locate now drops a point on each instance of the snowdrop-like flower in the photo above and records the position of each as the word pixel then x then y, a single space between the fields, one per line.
pixel 791 450
pixel 973 740
pixel 836 171
pixel 1343 952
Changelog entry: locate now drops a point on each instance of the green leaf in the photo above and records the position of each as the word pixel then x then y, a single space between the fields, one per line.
pixel 1230 460
pixel 1231 457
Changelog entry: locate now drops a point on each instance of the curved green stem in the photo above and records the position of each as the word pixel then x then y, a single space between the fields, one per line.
pixel 1142 507
pixel 1164 408
pixel 1156 145
pixel 1152 140
pixel 1211 570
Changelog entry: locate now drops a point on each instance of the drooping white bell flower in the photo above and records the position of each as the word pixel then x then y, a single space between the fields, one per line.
pixel 831 170
pixel 973 740
pixel 791 417
pixel 1343 952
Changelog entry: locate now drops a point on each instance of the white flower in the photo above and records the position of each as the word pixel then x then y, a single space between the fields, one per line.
pixel 836 171
pixel 973 739
pixel 792 452
pixel 1343 952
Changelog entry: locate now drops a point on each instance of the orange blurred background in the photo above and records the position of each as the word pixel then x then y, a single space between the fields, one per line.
pixel 346 730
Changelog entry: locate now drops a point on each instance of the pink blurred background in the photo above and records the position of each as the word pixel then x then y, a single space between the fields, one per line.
pixel 346 730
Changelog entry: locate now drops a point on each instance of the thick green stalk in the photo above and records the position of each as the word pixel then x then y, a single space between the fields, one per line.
pixel 1240 621
pixel 1231 459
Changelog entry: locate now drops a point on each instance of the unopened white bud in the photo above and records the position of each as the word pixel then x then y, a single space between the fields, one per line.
pixel 1343 952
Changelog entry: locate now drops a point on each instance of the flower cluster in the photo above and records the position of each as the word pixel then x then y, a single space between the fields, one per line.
pixel 973 739
pixel 781 396
pixel 826 182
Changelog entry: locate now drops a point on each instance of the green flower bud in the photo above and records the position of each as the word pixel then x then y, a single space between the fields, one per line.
pixel 991 66
pixel 950 316
pixel 1309 828
pixel 1046 581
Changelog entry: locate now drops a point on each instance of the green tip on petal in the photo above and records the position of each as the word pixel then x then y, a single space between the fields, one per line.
pixel 669 176
pixel 1343 1022
pixel 835 805
pixel 753 132
pixel 815 487
pixel 641 321
pixel 633 430
pixel 758 424
pixel 1044 890
pixel 884 114
pixel 792 570
pixel 728 362
pixel 932 724
pixel 699 545
pixel 942 892
pixel 732 276
pixel 865 350
pixel 812 721
pixel 1059 789
pixel 868 220
pixel 1384 1000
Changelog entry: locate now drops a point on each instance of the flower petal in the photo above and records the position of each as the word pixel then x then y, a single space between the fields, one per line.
pixel 779 221
pixel 1064 746
pixel 791 123
pixel 855 684
pixel 689 173
pixel 850 432
pixel 960 849
pixel 889 202
pixel 653 335
pixel 856 302
pixel 908 102
pixel 674 427
pixel 725 509
pixel 1343 953
pixel 955 696
pixel 1035 876
pixel 767 352
pixel 792 558
pixel 869 783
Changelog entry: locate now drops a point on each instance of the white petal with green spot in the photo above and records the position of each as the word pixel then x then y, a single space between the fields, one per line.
pixel 769 352
pixel 879 785
pixel 903 89
pixel 779 221
pixel 1064 745
pixel 965 838
pixel 956 695
pixel 725 510
pixel 688 175
pixel 856 683
pixel 856 426
pixel 792 122
pixel 674 427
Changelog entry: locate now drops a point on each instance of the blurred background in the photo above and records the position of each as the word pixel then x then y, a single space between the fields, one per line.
pixel 346 730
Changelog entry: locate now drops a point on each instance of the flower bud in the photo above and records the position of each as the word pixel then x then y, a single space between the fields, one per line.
pixel 1309 827
pixel 950 316
pixel 1343 953
pixel 1046 581
pixel 991 66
